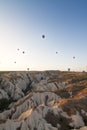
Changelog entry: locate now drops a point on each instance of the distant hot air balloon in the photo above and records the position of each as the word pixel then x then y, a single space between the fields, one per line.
pixel 18 49
pixel 23 52
pixel 73 57
pixel 27 69
pixel 43 36
pixel 15 62
pixel 68 69
pixel 56 52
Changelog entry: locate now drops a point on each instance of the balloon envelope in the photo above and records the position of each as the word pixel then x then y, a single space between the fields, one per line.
pixel 43 36
pixel 23 52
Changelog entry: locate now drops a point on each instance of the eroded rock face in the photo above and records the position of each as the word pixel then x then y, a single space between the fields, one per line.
pixel 49 100
pixel 12 85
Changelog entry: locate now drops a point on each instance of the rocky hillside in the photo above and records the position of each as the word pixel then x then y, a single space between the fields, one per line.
pixel 48 100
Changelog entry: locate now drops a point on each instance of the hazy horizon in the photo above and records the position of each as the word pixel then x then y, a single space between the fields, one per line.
pixel 22 24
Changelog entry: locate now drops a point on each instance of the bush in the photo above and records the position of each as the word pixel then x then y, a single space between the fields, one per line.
pixel 4 103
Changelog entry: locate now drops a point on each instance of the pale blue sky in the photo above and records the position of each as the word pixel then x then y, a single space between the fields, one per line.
pixel 64 24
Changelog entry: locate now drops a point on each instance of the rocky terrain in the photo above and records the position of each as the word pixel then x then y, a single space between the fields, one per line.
pixel 45 100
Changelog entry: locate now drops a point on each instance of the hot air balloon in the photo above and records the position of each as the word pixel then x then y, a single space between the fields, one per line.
pixel 27 69
pixel 43 36
pixel 68 69
pixel 73 57
pixel 23 52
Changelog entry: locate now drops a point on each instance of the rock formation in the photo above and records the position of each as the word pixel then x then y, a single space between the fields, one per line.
pixel 46 100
